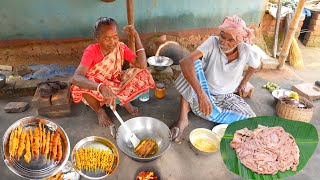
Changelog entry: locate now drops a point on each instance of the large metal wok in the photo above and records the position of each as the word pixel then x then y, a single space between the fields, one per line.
pixel 144 127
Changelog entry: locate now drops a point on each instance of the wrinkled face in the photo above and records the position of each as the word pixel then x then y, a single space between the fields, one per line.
pixel 227 43
pixel 108 37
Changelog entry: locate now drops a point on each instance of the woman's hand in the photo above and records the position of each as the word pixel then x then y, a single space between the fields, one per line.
pixel 243 91
pixel 130 30
pixel 205 105
pixel 108 97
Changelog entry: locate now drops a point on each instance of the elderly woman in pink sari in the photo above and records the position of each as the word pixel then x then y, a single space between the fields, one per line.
pixel 99 79
pixel 213 72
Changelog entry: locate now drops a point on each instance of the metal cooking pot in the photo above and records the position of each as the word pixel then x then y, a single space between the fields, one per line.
pixel 144 127
pixel 159 63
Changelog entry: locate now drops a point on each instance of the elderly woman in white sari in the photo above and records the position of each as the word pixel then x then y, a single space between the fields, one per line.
pixel 213 72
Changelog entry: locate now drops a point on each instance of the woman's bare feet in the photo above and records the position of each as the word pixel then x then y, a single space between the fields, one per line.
pixel 103 118
pixel 132 110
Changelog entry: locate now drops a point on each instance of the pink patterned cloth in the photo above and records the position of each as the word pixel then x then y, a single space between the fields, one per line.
pixel 237 28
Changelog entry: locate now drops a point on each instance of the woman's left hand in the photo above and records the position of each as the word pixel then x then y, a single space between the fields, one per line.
pixel 130 30
pixel 243 91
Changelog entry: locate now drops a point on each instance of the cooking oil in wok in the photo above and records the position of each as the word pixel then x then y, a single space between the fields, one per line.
pixel 146 148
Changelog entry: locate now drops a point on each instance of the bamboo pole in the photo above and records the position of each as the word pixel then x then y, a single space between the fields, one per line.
pixel 276 36
pixel 292 29
pixel 130 18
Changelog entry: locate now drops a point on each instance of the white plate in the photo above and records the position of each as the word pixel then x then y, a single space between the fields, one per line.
pixel 220 129
pixel 281 92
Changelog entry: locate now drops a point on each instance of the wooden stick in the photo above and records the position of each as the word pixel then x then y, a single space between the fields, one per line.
pixel 130 18
pixel 292 29
pixel 276 36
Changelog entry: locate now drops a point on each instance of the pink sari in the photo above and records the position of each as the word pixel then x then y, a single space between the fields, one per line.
pixel 126 85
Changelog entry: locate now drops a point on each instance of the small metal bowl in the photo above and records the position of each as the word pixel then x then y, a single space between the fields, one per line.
pixel 200 137
pixel 2 80
pixel 159 63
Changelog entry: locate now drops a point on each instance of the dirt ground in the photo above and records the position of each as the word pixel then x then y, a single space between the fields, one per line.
pixel 180 162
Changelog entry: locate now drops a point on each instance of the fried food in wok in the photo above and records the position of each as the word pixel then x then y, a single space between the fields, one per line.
pixel 146 148
pixel 92 159
pixel 24 142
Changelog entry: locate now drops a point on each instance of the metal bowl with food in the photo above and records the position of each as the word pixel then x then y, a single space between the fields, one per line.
pixel 97 145
pixel 144 128
pixel 159 63
pixel 44 164
pixel 203 141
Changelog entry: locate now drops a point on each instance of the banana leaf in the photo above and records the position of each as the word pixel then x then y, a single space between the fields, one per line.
pixel 305 134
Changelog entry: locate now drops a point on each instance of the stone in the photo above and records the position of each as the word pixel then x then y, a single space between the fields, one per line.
pixel 61 98
pixel 165 74
pixel 38 101
pixel 22 70
pixel 16 107
pixel 26 87
pixel 8 89
pixel 269 63
pixel 6 68
pixel 307 90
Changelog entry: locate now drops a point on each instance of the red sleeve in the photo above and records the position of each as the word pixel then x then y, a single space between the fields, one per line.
pixel 88 56
pixel 128 54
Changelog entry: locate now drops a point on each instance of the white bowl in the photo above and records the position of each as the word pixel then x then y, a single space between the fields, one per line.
pixel 281 92
pixel 219 130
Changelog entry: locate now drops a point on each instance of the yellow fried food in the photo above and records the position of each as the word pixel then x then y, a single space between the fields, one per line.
pixel 55 142
pixel 91 159
pixel 47 148
pixel 22 144
pixel 59 153
pixel 27 155
pixel 44 140
pixel 36 142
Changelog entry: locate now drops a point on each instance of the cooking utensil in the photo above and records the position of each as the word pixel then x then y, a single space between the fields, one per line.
pixel 281 92
pixel 133 138
pixel 202 136
pixel 96 142
pixel 41 168
pixel 159 63
pixel 144 127
pixel 305 134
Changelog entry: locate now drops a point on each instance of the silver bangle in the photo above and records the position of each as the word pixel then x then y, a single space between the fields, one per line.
pixel 141 49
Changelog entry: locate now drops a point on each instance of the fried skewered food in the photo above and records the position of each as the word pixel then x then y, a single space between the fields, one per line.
pixel 55 145
pixel 44 140
pixel 59 153
pixel 27 155
pixel 146 147
pixel 22 144
pixel 46 151
pixel 91 159
pixel 36 142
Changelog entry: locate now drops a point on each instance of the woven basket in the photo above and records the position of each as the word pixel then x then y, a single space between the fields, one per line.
pixel 291 112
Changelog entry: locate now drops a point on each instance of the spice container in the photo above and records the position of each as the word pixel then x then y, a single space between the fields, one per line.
pixel 160 91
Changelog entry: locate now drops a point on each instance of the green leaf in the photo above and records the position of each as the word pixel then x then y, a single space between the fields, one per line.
pixel 305 134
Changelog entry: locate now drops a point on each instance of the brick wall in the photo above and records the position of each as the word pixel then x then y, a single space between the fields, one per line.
pixel 312 38
pixel 269 26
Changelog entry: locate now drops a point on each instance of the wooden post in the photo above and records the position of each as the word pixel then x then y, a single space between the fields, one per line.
pixel 292 29
pixel 130 17
pixel 276 36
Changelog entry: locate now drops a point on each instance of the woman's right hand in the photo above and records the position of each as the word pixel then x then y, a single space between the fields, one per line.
pixel 205 105
pixel 108 97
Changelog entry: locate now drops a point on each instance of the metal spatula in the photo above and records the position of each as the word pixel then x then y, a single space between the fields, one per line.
pixel 133 138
